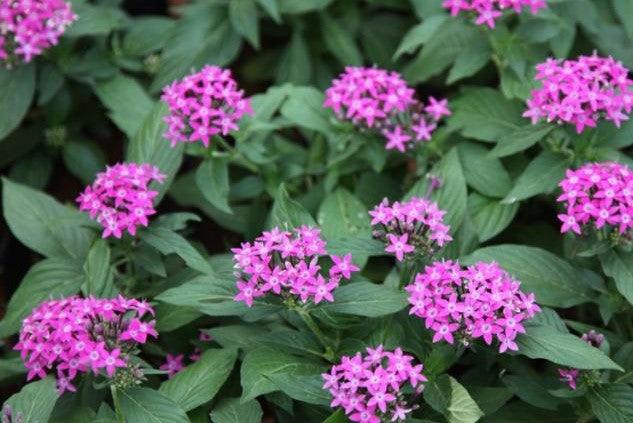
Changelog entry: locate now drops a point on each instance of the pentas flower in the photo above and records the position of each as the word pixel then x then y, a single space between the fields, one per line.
pixel 371 387
pixel 488 11
pixel 28 27
pixel 173 364
pixel 202 105
pixel 120 198
pixel 413 227
pixel 598 196
pixel 381 101
pixel 480 301
pixel 287 263
pixel 79 335
pixel 581 92
pixel 572 376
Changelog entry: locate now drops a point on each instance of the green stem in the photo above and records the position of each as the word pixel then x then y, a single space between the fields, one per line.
pixel 237 156
pixel 311 324
pixel 117 407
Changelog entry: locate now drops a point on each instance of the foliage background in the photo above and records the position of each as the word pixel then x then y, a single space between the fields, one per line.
pixel 92 100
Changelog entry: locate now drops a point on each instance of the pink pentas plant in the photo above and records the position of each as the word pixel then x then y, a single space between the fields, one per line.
pixel 487 12
pixel 29 27
pixel 76 335
pixel 381 101
pixel 373 387
pixel 581 92
pixel 286 263
pixel 572 377
pixel 597 196
pixel 477 302
pixel 120 198
pixel 174 363
pixel 202 105
pixel 410 228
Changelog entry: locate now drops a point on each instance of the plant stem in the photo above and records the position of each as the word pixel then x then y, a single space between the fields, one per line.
pixel 311 324
pixel 115 403
pixel 237 156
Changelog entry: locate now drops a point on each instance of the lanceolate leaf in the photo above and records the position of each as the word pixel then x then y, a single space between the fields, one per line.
pixel 366 299
pixel 144 405
pixel 612 403
pixel 18 87
pixel 231 410
pixel 35 401
pixel 168 242
pixel 619 265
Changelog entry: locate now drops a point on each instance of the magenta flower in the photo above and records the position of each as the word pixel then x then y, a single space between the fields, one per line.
pixel 598 194
pixel 28 27
pixel 581 92
pixel 381 101
pixel 120 198
pixel 488 11
pixel 372 387
pixel 287 264
pixel 202 105
pixel 571 376
pixel 77 335
pixel 411 227
pixel 173 364
pixel 480 301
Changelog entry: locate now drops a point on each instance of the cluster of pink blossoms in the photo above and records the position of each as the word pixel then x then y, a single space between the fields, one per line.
pixel 174 363
pixel 598 193
pixel 77 335
pixel 120 198
pixel 581 91
pixel 286 263
pixel 28 27
pixel 370 388
pixel 376 99
pixel 202 105
pixel 488 11
pixel 480 301
pixel 410 227
pixel 570 376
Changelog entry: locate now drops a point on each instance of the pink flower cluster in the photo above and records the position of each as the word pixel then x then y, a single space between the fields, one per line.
pixel 370 388
pixel 480 301
pixel 414 227
pixel 376 99
pixel 570 376
pixel 28 27
pixel 77 335
pixel 174 363
pixel 488 11
pixel 202 105
pixel 120 198
pixel 286 263
pixel 581 91
pixel 600 194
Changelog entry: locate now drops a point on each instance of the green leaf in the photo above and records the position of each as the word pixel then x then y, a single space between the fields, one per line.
pixel 452 194
pixel 212 179
pixel 553 281
pixel 271 7
pixel 287 213
pixel 469 63
pixel 18 87
pixel 531 391
pixel 127 102
pixel 304 388
pixel 84 159
pixel 295 65
pixel 98 271
pixel 521 139
pixel 366 299
pixel 624 10
pixel 293 7
pixel 343 215
pixel 337 417
pixel 612 403
pixel 260 364
pixel 486 175
pixel 562 348
pixel 95 19
pixel 35 402
pixel 542 175
pixel 447 396
pixel 49 278
pixel 44 225
pixel 147 34
pixel 485 114
pixel 243 15
pixel 304 107
pixel 356 246
pixel 618 264
pixel 231 410
pixel 340 42
pixel 199 382
pixel 144 405
pixel 489 216
pixel 149 146
pixel 419 34
pixel 11 367
pixel 169 242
